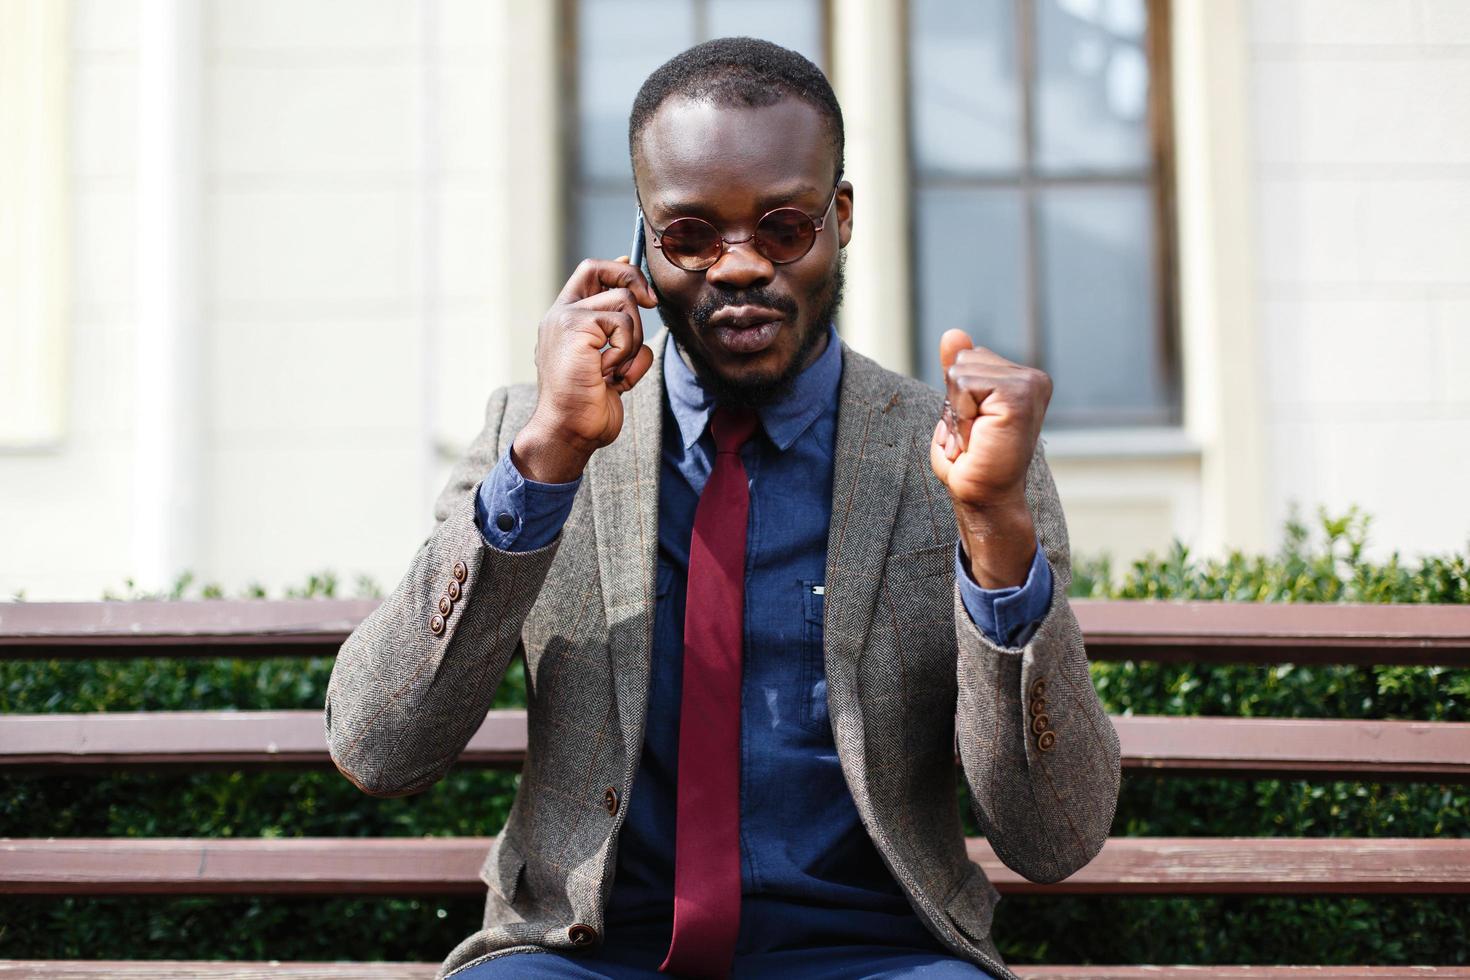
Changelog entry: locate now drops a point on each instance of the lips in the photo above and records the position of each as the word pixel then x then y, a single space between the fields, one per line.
pixel 745 329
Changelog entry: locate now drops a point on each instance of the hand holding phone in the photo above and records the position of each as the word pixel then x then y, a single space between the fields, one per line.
pixel 589 351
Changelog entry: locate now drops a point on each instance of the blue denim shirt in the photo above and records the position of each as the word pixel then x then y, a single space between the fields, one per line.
pixel 810 873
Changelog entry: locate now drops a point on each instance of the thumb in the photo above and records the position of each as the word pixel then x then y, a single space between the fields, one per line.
pixel 950 346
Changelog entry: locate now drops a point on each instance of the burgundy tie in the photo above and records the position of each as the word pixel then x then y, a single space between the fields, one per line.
pixel 707 845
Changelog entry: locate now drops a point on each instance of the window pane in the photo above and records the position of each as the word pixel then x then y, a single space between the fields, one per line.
pixel 797 26
pixel 619 43
pixel 965 89
pixel 1099 301
pixel 968 272
pixel 1091 85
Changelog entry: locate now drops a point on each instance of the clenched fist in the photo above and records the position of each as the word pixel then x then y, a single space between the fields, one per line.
pixel 589 351
pixel 998 407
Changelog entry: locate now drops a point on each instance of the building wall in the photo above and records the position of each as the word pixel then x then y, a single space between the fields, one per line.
pixel 376 231
pixel 359 290
pixel 1362 170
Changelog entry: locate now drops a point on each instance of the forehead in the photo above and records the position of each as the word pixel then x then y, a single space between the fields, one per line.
pixel 698 157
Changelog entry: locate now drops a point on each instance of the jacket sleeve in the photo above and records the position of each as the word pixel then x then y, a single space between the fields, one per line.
pixel 412 683
pixel 1039 753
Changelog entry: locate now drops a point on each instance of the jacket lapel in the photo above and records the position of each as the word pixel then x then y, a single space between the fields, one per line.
pixel 867 483
pixel 624 480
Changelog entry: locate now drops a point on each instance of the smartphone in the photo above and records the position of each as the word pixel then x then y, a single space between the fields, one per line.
pixel 636 257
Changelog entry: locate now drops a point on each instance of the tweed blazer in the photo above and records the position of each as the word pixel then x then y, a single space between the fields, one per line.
pixel 909 676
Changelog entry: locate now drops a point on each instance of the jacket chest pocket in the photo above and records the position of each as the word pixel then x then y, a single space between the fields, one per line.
pixel 813 702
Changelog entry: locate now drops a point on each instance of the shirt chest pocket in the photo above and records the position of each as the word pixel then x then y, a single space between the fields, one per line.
pixel 812 704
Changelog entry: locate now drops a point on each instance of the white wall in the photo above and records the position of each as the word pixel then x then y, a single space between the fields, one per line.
pixel 65 509
pixel 360 293
pixel 1362 167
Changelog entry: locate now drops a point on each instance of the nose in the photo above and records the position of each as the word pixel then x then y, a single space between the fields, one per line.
pixel 740 266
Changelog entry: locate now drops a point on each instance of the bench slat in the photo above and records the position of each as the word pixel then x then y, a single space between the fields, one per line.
pixel 1198 632
pixel 1254 747
pixel 450 865
pixel 191 970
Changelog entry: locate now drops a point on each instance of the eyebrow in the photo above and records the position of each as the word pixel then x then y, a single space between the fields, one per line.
pixel 769 202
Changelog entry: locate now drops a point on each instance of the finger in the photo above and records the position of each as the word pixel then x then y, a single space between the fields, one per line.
pixel 621 339
pixel 939 459
pixel 593 276
pixel 637 367
pixel 625 343
pixel 950 346
pixel 969 391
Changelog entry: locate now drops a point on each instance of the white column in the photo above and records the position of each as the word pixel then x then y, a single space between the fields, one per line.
pixel 168 480
pixel 1223 372
pixel 868 76
pixel 33 223
pixel 533 203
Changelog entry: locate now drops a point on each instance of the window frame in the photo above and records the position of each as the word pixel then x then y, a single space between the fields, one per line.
pixel 1159 178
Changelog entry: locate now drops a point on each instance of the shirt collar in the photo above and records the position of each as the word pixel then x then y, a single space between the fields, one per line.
pixel 813 392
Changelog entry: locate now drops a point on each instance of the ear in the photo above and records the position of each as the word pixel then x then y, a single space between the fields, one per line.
pixel 843 207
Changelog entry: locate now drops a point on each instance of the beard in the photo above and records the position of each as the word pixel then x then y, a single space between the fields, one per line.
pixel 763 389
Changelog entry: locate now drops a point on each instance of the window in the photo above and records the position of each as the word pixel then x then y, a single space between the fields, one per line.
pixel 1039 141
pixel 619 43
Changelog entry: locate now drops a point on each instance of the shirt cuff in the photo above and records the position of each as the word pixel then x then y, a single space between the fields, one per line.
pixel 1009 616
pixel 517 514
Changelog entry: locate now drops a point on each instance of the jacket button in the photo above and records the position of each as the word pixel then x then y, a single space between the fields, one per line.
pixel 1046 740
pixel 582 934
pixel 445 605
pixel 1039 723
pixel 1038 706
pixel 452 590
pixel 610 800
pixel 461 571
pixel 505 522
pixel 436 624
pixel 1038 687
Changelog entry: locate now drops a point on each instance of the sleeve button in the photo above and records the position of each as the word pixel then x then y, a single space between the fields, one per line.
pixel 436 624
pixel 461 571
pixel 452 591
pixel 1038 687
pixel 582 934
pixel 1046 740
pixel 1039 723
pixel 1038 706
pixel 445 605
pixel 505 522
pixel 610 801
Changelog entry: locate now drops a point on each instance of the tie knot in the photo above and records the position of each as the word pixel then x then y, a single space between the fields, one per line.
pixel 732 428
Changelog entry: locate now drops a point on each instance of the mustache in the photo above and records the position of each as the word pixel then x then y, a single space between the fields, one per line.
pixel 705 309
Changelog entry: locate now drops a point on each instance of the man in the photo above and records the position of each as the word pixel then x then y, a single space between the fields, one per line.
pixel 755 629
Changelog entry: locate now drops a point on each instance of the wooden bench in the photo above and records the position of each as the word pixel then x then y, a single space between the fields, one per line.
pixel 1193 632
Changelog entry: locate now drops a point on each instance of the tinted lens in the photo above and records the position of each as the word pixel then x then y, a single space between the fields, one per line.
pixel 785 235
pixel 691 243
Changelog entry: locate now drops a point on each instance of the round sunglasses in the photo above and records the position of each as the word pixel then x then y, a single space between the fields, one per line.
pixel 783 235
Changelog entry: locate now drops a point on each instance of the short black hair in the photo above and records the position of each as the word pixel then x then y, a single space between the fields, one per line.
pixel 738 72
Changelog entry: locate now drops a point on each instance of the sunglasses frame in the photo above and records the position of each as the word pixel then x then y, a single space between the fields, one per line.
pixel 818 223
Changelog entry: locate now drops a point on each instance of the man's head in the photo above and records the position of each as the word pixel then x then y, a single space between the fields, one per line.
pixel 727 131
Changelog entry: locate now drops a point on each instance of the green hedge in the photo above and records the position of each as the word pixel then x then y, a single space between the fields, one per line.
pixel 1325 566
